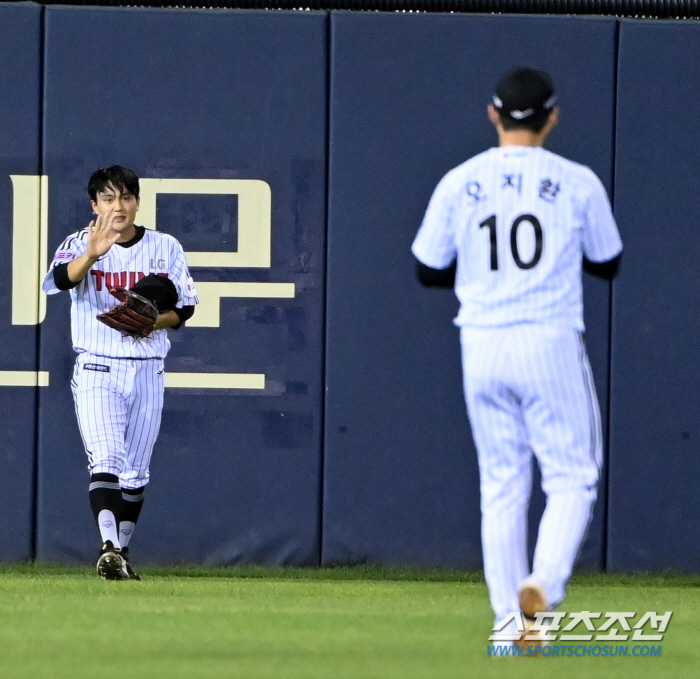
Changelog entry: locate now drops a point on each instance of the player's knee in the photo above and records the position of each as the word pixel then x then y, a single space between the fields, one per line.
pixel 580 489
pixel 106 467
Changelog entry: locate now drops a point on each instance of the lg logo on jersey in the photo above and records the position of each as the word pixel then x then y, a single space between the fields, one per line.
pixel 30 243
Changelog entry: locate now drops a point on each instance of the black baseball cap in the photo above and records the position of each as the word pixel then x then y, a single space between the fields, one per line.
pixel 525 94
pixel 159 290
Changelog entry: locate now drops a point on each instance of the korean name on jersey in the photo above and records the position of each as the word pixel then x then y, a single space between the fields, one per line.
pixel 157 253
pixel 519 220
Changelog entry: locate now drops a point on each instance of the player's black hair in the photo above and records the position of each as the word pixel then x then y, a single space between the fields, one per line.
pixel 524 99
pixel 119 177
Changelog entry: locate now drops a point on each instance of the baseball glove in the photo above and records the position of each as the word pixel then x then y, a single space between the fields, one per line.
pixel 134 317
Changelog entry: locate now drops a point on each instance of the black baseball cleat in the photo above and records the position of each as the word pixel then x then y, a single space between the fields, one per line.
pixel 133 575
pixel 111 565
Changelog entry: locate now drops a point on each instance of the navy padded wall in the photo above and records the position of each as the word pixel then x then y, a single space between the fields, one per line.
pixel 408 103
pixel 655 416
pixel 20 110
pixel 196 94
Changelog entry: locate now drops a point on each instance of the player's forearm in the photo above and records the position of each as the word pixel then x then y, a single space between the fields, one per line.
pixel 168 319
pixel 79 267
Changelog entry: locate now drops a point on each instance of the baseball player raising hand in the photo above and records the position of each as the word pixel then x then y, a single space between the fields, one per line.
pixel 101 235
pixel 118 378
pixel 511 229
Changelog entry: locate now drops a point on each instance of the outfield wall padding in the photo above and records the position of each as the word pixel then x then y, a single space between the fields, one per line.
pixel 342 436
pixel 655 414
pixel 20 131
pixel 199 95
pixel 408 103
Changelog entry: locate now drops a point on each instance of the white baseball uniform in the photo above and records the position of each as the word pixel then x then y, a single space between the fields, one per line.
pixel 519 221
pixel 118 381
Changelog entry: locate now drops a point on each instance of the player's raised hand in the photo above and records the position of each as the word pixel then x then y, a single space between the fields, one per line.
pixel 101 236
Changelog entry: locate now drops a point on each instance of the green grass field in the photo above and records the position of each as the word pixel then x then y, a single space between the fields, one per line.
pixel 257 623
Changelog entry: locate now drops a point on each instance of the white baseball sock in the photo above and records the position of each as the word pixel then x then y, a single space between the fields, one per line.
pixel 108 527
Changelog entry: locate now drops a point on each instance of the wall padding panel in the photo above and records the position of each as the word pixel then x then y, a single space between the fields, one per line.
pixel 180 94
pixel 408 103
pixel 655 431
pixel 20 77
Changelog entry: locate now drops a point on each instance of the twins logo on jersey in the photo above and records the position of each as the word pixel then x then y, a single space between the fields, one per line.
pixel 118 279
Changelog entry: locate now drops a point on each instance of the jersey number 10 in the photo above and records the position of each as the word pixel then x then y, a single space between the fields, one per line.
pixel 490 222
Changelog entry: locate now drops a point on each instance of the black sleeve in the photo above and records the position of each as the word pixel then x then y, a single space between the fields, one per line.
pixel 184 315
pixel 60 277
pixel 436 278
pixel 606 270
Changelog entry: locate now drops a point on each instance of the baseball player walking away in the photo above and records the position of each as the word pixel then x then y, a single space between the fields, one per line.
pixel 118 377
pixel 511 229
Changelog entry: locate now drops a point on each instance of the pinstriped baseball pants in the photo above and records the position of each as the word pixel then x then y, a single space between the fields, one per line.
pixel 529 390
pixel 119 402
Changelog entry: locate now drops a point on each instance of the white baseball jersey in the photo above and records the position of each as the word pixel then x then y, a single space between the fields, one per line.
pixel 518 219
pixel 156 253
pixel 119 397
